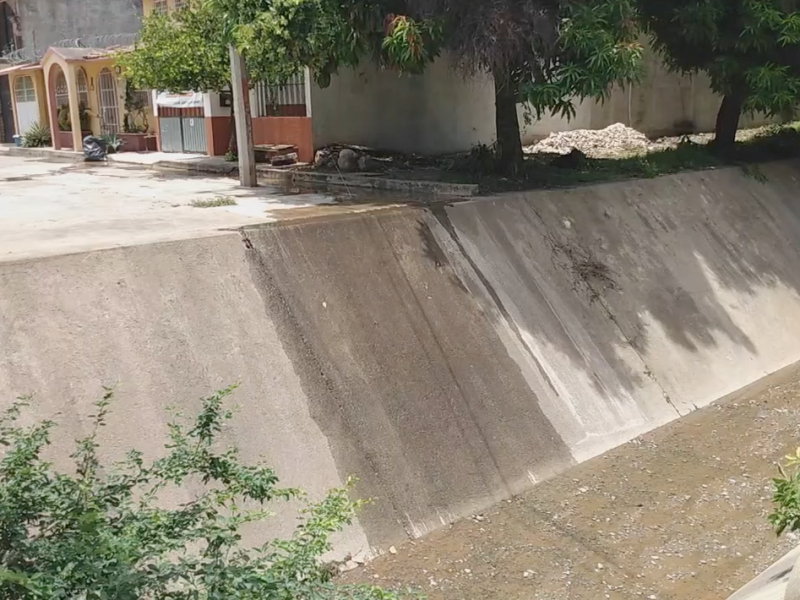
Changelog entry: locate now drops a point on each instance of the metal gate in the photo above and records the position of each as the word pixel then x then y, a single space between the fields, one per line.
pixel 182 130
pixel 109 104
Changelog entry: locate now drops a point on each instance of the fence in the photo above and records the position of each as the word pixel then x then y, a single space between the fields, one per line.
pixel 286 100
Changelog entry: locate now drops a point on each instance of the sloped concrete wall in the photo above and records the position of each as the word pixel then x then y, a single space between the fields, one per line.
pixel 448 357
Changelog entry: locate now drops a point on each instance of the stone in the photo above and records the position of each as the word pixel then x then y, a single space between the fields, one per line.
pixel 323 158
pixel 347 161
pixel 369 164
pixel 392 550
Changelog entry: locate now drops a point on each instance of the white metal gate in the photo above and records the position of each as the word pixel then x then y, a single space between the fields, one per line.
pixel 27 106
pixel 108 102
pixel 182 130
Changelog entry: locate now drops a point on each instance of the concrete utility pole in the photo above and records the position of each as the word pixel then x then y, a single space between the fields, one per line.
pixel 244 130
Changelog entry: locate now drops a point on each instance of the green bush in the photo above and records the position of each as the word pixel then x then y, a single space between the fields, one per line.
pixel 786 496
pixel 99 532
pixel 37 136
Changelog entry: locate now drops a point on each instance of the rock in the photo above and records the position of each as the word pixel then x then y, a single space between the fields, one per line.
pixel 368 164
pixel 323 158
pixel 573 160
pixel 392 550
pixel 283 160
pixel 347 161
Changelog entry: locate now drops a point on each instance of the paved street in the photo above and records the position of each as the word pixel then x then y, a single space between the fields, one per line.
pixel 51 208
pixel 679 514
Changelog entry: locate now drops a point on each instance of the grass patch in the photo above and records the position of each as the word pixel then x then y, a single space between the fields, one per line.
pixel 774 143
pixel 214 202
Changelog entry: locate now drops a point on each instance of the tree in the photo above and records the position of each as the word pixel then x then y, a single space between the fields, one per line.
pixel 99 531
pixel 180 51
pixel 750 50
pixel 544 53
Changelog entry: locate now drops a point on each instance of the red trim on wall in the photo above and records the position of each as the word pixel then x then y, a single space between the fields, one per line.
pixel 218 135
pixel 286 130
pixel 170 111
pixel 266 130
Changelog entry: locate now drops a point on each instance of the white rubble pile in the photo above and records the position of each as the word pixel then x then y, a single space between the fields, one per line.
pixel 614 140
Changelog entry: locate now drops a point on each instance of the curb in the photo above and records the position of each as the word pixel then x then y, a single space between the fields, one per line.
pixel 287 177
pixel 61 155
pixel 374 182
pixel 278 176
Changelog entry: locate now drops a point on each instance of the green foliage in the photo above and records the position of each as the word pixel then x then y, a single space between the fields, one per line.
pixel 65 119
pixel 748 48
pixel 100 531
pixel 112 142
pixel 37 136
pixel 597 47
pixel 214 202
pixel 135 120
pixel 546 53
pixel 786 496
pixel 179 51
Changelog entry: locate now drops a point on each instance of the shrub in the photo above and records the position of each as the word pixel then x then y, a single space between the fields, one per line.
pixel 98 531
pixel 37 136
pixel 786 496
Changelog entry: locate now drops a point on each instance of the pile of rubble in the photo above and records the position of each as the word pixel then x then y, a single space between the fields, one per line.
pixel 612 142
pixel 351 159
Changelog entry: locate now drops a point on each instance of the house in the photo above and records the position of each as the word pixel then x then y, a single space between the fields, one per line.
pixel 31 29
pixel 202 122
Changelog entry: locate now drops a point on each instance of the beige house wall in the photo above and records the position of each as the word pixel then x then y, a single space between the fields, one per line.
pixel 437 112
pixel 441 111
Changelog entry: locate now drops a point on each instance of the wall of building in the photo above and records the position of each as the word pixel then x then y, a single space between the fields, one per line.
pixel 437 112
pixel 449 357
pixel 663 103
pixel 441 112
pixel 46 22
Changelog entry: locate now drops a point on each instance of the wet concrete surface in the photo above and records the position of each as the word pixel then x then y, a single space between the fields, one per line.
pixel 679 513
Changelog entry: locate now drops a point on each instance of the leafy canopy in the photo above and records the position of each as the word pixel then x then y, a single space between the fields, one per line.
pixel 749 48
pixel 184 50
pixel 99 531
pixel 786 496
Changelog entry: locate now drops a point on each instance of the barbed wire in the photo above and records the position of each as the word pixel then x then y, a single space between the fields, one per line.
pixel 25 55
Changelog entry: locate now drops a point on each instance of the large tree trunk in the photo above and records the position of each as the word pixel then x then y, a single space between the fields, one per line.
pixel 728 121
pixel 509 144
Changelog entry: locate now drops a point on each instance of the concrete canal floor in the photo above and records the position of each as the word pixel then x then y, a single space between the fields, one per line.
pixel 677 514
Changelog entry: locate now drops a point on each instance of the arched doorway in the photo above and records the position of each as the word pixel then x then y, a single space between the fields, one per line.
pixel 108 102
pixel 60 91
pixel 26 103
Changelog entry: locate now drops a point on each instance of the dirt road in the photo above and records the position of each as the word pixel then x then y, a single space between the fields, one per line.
pixel 677 514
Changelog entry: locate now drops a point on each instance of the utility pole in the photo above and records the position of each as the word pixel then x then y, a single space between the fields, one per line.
pixel 244 130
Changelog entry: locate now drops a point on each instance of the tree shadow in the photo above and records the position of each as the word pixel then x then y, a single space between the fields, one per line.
pixel 666 269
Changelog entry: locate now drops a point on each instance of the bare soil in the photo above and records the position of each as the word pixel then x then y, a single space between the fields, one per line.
pixel 677 514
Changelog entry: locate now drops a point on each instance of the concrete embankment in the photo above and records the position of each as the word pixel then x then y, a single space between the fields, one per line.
pixel 448 357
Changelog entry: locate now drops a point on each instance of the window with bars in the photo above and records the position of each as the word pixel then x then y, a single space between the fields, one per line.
pixel 180 4
pixel 160 6
pixel 83 87
pixel 141 98
pixel 24 90
pixel 286 100
pixel 62 91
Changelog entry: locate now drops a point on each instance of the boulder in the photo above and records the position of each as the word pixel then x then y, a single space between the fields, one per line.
pixel 323 159
pixel 347 161
pixel 369 164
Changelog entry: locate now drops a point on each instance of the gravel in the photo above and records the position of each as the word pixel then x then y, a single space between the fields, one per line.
pixel 613 141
